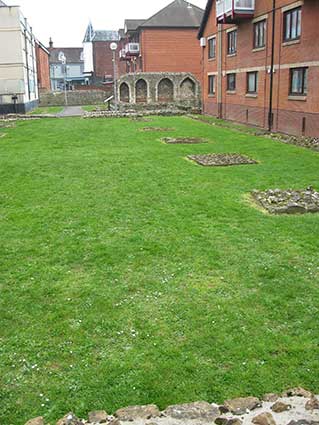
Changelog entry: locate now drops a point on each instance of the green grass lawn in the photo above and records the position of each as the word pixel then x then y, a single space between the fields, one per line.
pixel 129 275
pixel 47 110
pixel 91 108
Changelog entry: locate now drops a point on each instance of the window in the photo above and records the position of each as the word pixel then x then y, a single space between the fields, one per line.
pixel 211 84
pixel 231 82
pixel 232 42
pixel 292 24
pixel 298 81
pixel 252 82
pixel 212 48
pixel 260 34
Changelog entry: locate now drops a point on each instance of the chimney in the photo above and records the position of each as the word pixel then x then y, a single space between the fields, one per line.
pixel 50 43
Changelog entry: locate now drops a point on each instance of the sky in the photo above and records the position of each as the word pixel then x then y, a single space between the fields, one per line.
pixel 66 20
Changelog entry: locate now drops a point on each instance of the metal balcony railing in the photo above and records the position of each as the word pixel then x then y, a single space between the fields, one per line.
pixel 225 7
pixel 132 49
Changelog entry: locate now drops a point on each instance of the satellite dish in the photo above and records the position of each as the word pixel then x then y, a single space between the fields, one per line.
pixel 113 46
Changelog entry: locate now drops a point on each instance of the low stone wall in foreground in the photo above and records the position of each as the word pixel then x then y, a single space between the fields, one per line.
pixel 296 406
pixel 75 98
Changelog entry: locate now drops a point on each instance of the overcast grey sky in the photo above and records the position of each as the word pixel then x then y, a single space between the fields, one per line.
pixel 66 20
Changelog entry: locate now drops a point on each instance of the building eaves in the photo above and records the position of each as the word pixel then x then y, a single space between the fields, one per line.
pixel 205 18
pixel 133 24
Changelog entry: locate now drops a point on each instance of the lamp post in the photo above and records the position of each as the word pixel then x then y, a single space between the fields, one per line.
pixel 62 59
pixel 113 47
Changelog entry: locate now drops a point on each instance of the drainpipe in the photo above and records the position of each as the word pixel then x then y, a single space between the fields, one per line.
pixel 219 70
pixel 271 88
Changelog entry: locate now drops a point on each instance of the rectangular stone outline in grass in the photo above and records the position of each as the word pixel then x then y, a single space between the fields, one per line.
pixel 150 129
pixel 183 140
pixel 276 201
pixel 221 159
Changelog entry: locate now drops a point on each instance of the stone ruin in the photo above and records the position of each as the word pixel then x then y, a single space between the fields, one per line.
pixel 151 90
pixel 221 159
pixel 288 201
pixel 296 406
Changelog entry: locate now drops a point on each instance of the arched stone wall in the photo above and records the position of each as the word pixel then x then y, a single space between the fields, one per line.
pixel 179 89
pixel 165 91
pixel 124 92
pixel 188 88
pixel 141 91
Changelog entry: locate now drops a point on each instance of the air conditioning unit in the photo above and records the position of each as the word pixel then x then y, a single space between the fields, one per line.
pixel 132 48
pixel 203 42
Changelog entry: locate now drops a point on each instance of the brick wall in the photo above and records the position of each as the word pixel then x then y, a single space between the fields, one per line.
pixel 43 68
pixel 171 50
pixel 102 55
pixel 290 115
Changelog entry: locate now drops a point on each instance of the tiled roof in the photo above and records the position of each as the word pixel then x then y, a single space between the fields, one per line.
pixel 133 24
pixel 72 54
pixel 106 36
pixel 178 14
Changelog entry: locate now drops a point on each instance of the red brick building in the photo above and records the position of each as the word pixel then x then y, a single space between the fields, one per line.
pixel 43 67
pixel 166 42
pixel 98 56
pixel 261 65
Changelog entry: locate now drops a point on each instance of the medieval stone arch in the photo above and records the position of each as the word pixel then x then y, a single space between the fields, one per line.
pixel 165 91
pixel 141 91
pixel 188 88
pixel 124 93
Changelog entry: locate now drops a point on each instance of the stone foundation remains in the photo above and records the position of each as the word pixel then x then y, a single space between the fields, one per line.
pixel 296 406
pixel 288 201
pixel 221 159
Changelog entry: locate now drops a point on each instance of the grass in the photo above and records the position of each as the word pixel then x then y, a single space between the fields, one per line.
pixel 129 275
pixel 209 119
pixel 47 110
pixel 91 108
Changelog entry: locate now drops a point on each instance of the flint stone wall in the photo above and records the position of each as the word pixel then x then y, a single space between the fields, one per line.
pixel 144 88
pixel 75 97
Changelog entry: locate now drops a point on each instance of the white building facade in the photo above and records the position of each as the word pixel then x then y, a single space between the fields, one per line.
pixel 18 65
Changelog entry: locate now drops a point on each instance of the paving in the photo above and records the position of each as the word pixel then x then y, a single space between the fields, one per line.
pixel 72 111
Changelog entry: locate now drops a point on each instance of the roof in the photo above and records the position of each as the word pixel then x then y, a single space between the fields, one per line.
pixel 89 34
pixel 106 35
pixel 121 33
pixel 72 54
pixel 133 24
pixel 1 3
pixel 205 18
pixel 42 46
pixel 178 14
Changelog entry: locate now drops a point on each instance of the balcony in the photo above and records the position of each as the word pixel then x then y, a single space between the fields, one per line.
pixel 132 49
pixel 232 11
